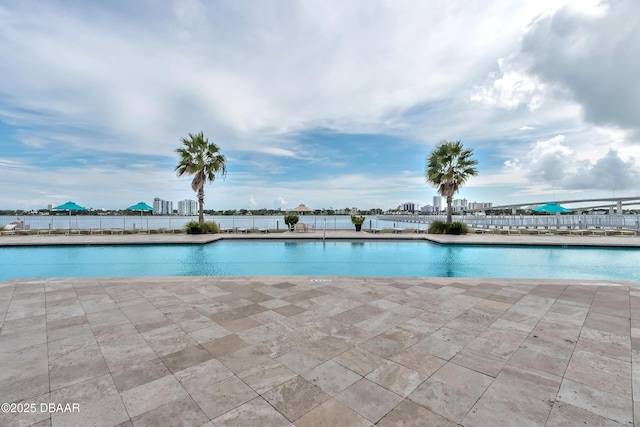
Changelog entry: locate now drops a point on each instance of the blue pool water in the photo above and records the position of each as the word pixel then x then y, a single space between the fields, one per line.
pixel 317 258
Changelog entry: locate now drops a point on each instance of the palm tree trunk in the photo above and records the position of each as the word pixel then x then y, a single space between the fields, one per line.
pixel 449 203
pixel 201 205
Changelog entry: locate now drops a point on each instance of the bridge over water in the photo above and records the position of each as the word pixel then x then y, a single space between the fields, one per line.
pixel 616 202
pixel 615 219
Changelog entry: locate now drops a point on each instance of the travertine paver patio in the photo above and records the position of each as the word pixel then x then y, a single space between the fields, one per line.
pixel 278 351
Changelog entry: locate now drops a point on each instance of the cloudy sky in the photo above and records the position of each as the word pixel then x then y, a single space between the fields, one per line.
pixel 327 103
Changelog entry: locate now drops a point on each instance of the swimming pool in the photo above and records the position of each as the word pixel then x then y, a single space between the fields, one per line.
pixel 317 258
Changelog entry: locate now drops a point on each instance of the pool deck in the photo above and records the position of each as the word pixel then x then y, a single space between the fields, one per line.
pixel 319 351
pixel 480 239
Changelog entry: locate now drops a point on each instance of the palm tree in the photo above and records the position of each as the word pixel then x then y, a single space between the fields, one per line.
pixel 200 158
pixel 448 167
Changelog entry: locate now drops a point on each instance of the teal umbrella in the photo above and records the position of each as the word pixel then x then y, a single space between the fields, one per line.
pixel 69 206
pixel 551 207
pixel 142 207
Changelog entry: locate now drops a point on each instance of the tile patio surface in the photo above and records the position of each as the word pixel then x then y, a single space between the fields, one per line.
pixel 330 351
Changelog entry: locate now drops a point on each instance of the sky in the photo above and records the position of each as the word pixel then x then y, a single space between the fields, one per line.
pixel 329 103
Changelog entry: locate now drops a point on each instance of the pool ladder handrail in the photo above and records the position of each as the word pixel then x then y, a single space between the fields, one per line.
pixel 324 229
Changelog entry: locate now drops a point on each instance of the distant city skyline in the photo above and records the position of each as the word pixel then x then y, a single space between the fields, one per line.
pixel 326 103
pixel 438 204
pixel 190 206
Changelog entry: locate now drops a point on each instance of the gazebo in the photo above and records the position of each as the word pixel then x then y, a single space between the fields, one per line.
pixel 301 209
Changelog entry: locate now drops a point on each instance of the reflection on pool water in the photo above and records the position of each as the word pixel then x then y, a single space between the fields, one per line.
pixel 318 258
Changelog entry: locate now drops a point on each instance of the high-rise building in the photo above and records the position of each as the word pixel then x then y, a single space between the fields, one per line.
pixel 480 205
pixel 437 203
pixel 408 206
pixel 462 203
pixel 187 207
pixel 162 207
pixel 428 209
pixel 167 207
pixel 459 205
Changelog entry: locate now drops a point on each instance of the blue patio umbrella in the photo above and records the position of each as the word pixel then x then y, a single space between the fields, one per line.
pixel 551 207
pixel 69 206
pixel 142 207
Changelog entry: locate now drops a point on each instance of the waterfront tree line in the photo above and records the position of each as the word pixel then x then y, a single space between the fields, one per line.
pixel 227 212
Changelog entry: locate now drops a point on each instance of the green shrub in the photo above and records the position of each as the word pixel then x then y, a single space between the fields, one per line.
pixel 457 228
pixel 439 227
pixel 210 227
pixel 357 220
pixel 194 227
pixel 291 219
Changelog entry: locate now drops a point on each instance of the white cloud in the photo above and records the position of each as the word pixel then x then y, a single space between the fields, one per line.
pixel 345 67
pixel 9 163
pixel 279 202
pixel 551 165
pixel 606 173
pixel 252 202
pixel 513 88
pixel 127 80
pixel 548 160
pixel 591 53
pixel 570 82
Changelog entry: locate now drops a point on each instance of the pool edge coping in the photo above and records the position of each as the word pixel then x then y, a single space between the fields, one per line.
pixel 181 239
